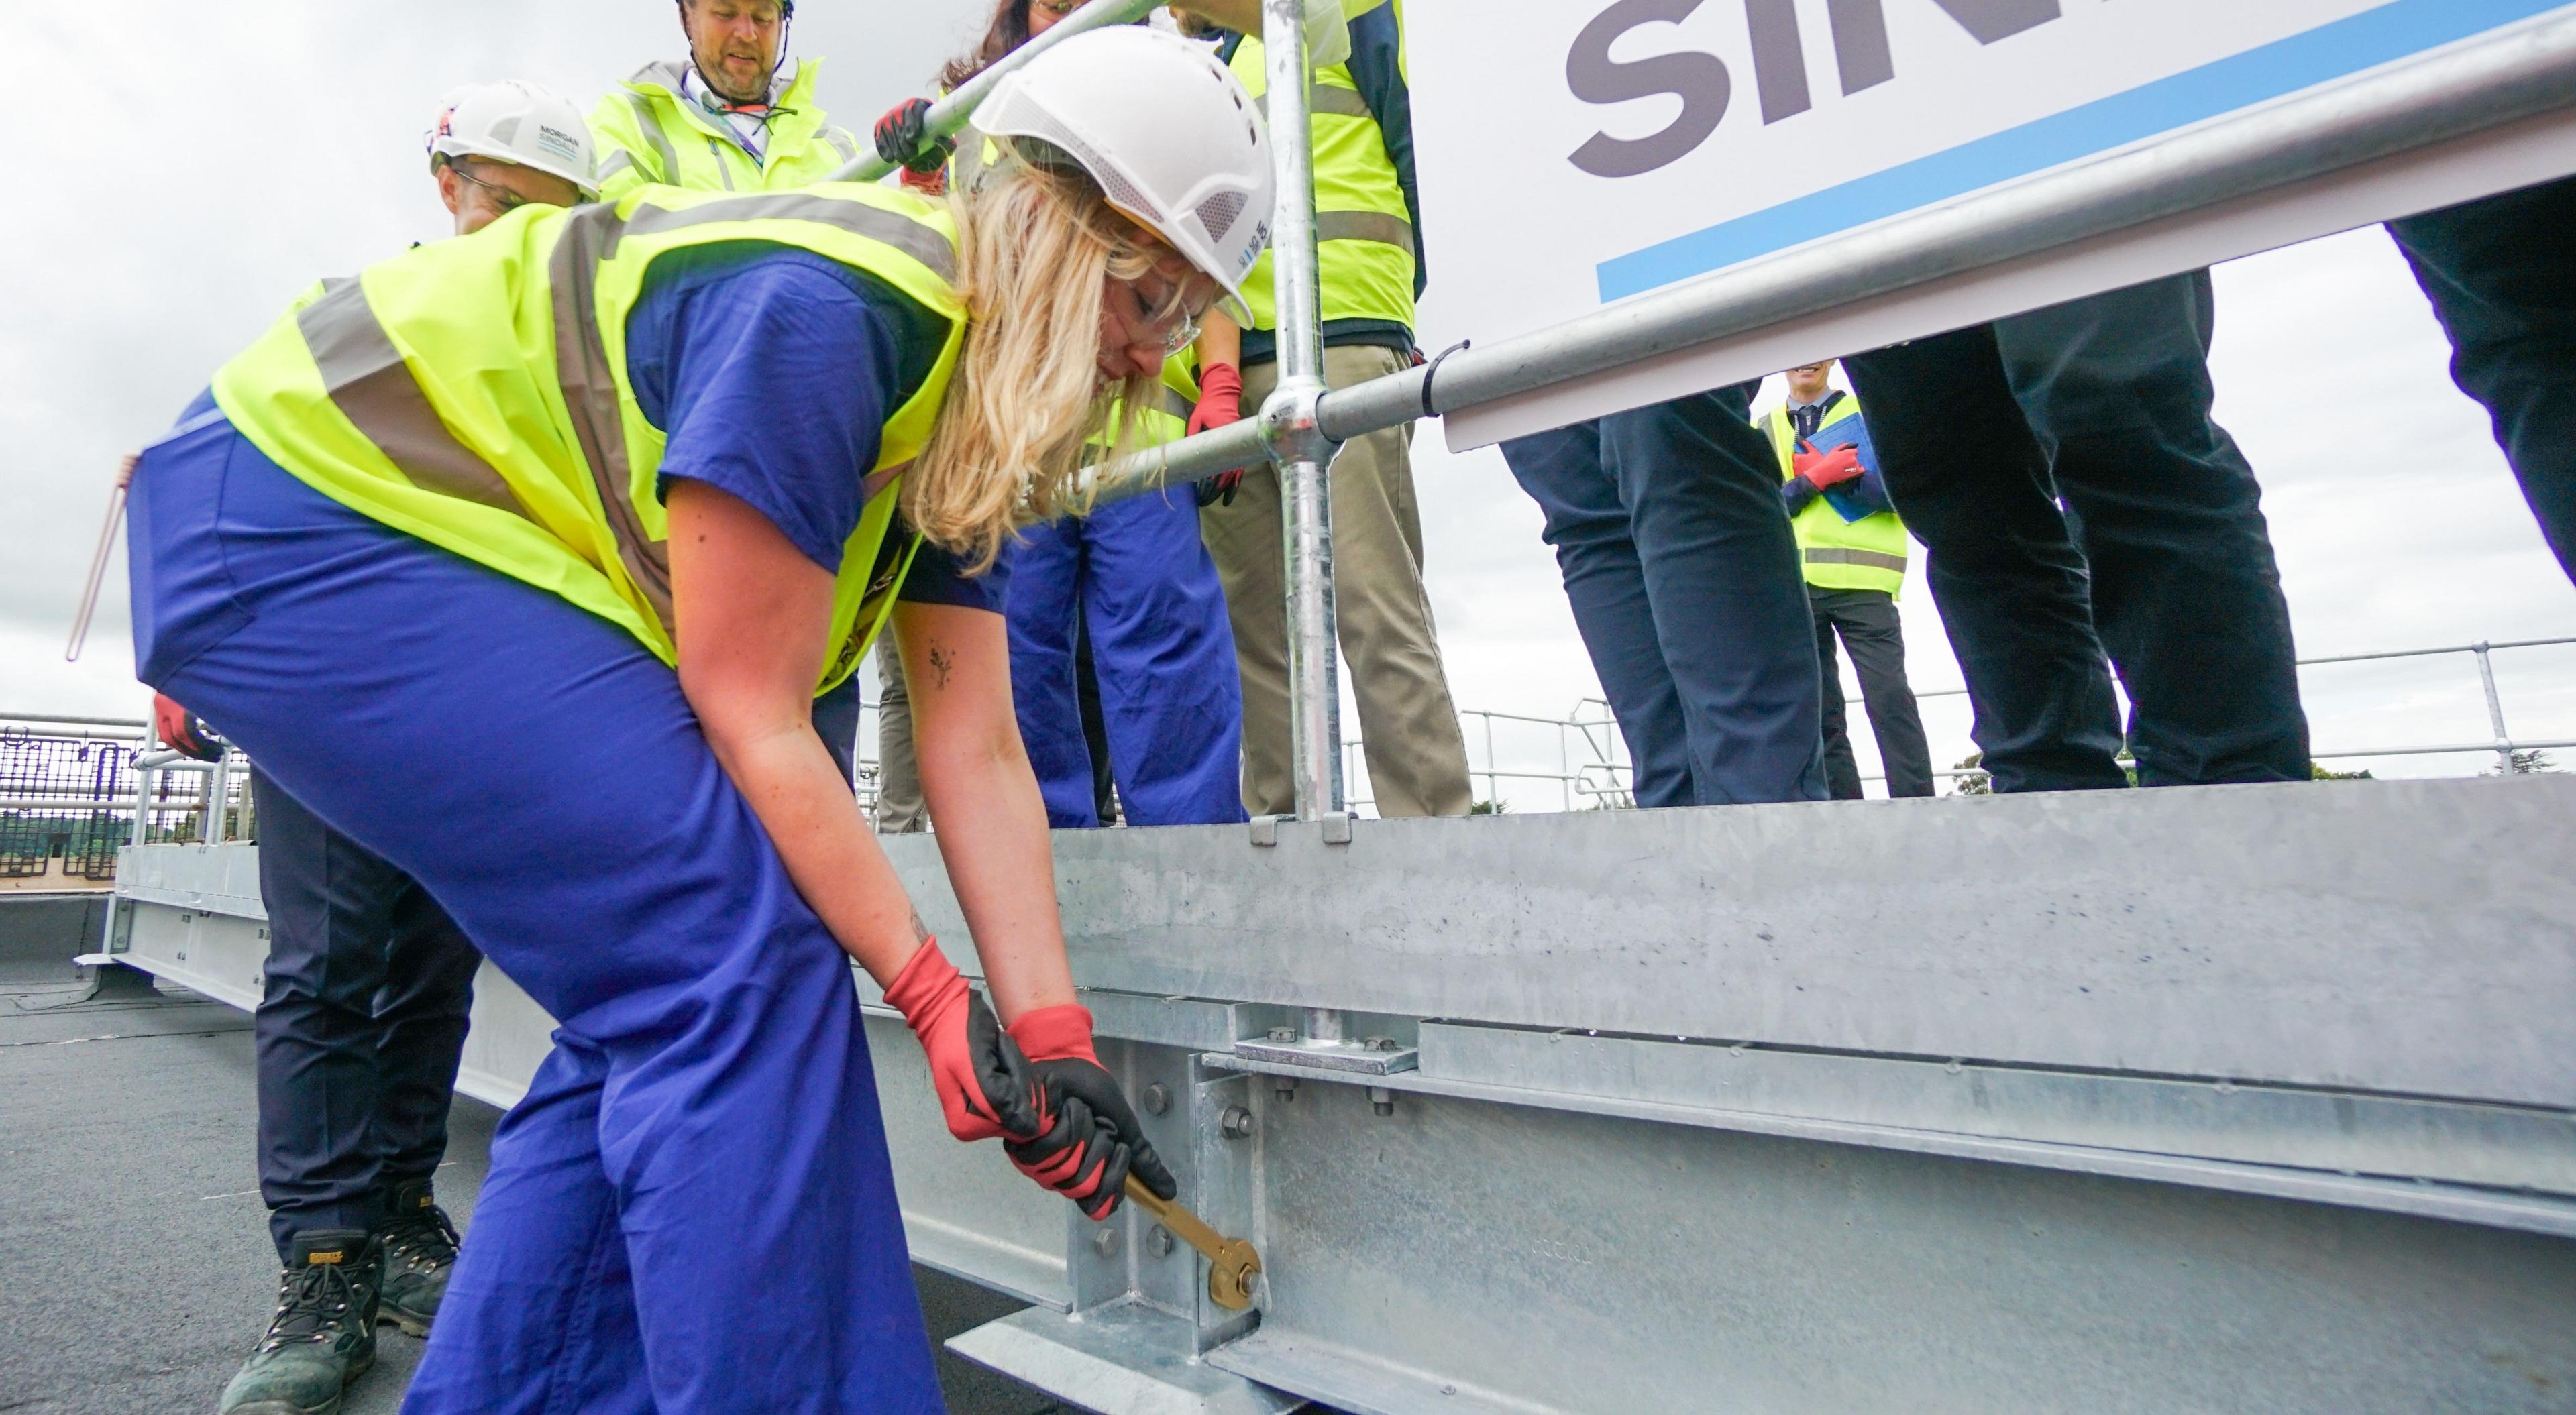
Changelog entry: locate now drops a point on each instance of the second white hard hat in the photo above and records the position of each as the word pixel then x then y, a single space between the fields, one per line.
pixel 1172 138
pixel 515 121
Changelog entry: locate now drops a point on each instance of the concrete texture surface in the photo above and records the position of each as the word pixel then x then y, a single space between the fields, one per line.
pixel 135 1266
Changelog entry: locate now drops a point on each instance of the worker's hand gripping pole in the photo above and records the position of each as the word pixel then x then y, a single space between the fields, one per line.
pixel 1288 422
pixel 950 114
pixel 1233 1266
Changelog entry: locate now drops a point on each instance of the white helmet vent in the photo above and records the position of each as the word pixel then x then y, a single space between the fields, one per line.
pixel 1121 193
pixel 1218 212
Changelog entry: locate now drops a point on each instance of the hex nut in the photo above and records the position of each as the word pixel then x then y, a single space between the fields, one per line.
pixel 1283 1034
pixel 1159 1242
pixel 1381 1100
pixel 1157 1099
pixel 1105 1241
pixel 1235 1123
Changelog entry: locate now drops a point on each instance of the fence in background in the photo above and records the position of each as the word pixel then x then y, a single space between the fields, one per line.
pixel 69 786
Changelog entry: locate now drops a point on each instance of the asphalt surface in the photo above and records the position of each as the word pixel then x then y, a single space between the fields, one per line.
pixel 135 1266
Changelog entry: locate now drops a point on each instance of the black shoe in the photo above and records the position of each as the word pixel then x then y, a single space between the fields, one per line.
pixel 324 1333
pixel 420 1251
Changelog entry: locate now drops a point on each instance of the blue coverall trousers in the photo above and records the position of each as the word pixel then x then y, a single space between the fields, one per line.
pixel 2502 277
pixel 2077 500
pixel 692 1209
pixel 361 1019
pixel 1138 575
pixel 1685 582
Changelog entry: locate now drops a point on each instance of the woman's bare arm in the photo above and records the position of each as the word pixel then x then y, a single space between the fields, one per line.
pixel 753 613
pixel 984 801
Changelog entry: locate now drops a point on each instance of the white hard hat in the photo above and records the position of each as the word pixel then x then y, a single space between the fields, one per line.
pixel 1171 137
pixel 514 121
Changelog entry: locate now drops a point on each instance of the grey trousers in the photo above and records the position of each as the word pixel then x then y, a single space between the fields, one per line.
pixel 899 806
pixel 1417 760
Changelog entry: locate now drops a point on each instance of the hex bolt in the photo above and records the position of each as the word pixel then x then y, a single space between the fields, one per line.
pixel 1157 1098
pixel 1381 1100
pixel 1283 1034
pixel 1284 1087
pixel 1235 1123
pixel 1159 1242
pixel 1105 1241
pixel 1382 1044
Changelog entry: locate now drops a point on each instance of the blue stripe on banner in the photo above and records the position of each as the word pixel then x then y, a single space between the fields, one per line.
pixel 2393 31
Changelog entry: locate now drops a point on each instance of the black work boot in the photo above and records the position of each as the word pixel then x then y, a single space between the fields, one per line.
pixel 420 1251
pixel 324 1333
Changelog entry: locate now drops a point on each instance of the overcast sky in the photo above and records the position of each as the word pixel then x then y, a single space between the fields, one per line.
pixel 251 146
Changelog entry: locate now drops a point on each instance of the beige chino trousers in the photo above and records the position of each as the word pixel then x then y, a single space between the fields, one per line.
pixel 1390 652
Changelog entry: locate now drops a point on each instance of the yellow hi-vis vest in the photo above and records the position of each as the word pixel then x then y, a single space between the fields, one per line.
pixel 648 133
pixel 1867 554
pixel 1363 234
pixel 473 392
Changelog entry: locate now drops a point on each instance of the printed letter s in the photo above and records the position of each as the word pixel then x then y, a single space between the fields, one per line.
pixel 1700 79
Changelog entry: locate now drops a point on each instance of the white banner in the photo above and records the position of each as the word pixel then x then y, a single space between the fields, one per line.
pixel 1577 152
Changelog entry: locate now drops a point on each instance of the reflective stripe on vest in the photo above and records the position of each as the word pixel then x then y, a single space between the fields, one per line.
pixel 1364 237
pixel 473 393
pixel 1842 555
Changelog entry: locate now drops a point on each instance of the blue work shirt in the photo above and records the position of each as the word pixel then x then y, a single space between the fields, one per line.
pixel 772 371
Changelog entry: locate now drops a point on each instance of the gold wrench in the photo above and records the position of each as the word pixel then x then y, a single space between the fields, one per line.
pixel 1232 1263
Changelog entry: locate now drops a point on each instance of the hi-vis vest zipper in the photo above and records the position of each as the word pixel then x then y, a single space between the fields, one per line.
pixel 649 133
pixel 473 392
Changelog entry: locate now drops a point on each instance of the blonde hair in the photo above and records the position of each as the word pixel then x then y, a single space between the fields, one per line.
pixel 1036 248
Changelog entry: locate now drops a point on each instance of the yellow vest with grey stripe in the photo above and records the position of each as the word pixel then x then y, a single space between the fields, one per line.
pixel 1363 233
pixel 1867 554
pixel 649 133
pixel 473 392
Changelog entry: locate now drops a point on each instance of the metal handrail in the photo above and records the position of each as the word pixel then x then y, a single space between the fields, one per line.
pixel 2469 89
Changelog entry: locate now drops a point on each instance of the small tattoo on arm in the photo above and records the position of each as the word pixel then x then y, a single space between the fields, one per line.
pixel 941 661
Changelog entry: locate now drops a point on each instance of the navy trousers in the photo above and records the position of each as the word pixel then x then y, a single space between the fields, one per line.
pixel 2502 277
pixel 1139 579
pixel 359 1027
pixel 1685 582
pixel 692 1209
pixel 1870 630
pixel 2082 510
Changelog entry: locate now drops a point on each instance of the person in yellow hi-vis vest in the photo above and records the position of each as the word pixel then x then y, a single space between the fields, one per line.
pixel 721 120
pixel 520 506
pixel 1368 243
pixel 1853 550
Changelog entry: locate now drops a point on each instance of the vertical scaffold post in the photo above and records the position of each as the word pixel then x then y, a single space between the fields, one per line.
pixel 2495 707
pixel 1289 424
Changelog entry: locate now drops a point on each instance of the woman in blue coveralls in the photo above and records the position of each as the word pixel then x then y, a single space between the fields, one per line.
pixel 1135 574
pixel 518 507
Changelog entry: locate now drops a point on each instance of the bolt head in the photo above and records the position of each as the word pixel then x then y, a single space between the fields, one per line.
pixel 1157 1099
pixel 1159 1242
pixel 1105 1241
pixel 1235 1123
pixel 1283 1034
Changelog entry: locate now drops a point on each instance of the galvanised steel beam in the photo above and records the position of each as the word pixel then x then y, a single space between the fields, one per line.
pixel 2178 1100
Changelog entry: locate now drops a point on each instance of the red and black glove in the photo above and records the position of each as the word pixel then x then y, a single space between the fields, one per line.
pixel 985 1086
pixel 1092 1138
pixel 1220 403
pixel 899 137
pixel 1824 469
pixel 184 731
